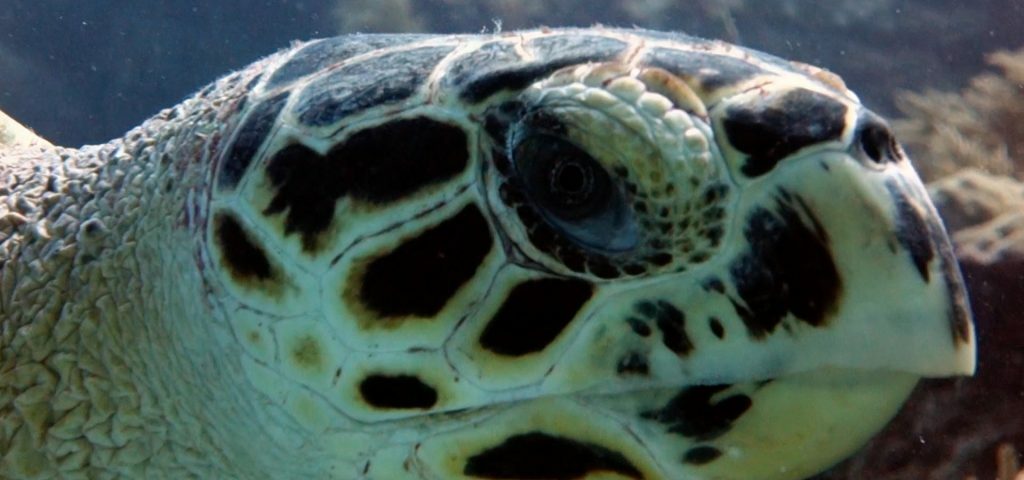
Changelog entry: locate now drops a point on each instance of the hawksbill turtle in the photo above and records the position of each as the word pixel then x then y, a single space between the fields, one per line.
pixel 558 253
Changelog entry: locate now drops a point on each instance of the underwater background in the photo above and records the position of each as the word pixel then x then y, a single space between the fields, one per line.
pixel 948 73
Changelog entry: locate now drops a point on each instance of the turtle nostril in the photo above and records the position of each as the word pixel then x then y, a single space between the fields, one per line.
pixel 876 139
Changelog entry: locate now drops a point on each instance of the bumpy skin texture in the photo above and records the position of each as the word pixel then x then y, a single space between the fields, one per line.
pixel 103 373
pixel 383 257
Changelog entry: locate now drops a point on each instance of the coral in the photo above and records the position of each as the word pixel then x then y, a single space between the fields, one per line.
pixel 982 126
pixel 985 215
pixel 1008 465
pixel 972 197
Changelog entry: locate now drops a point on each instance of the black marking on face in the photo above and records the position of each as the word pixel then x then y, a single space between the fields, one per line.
pixel 959 310
pixel 250 138
pixel 716 327
pixel 709 70
pixel 693 414
pixel 701 455
pixel 553 52
pixel 788 269
pixel 397 392
pixel 329 52
pixel 420 276
pixel 912 231
pixel 671 322
pixel 243 257
pixel 874 138
pixel 534 314
pixel 713 284
pixel 378 165
pixel 769 131
pixel 540 455
pixel 639 327
pixel 377 81
pixel 923 249
pixel 633 363
pixel 715 193
pixel 499 118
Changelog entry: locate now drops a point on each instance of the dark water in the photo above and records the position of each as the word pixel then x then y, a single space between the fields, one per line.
pixel 82 72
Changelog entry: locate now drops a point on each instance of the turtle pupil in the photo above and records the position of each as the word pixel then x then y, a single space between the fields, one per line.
pixel 561 178
pixel 573 180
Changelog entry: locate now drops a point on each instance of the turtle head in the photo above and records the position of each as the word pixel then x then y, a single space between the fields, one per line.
pixel 651 255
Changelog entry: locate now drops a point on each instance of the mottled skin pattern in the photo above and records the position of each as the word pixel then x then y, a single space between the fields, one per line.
pixel 340 262
pixel 92 376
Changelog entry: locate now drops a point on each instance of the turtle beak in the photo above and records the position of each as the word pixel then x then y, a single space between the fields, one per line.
pixel 841 243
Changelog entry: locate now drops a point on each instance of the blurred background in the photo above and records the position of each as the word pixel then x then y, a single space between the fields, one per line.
pixel 950 73
pixel 86 71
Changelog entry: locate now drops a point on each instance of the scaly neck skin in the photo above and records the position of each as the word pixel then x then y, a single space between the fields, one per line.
pixel 112 356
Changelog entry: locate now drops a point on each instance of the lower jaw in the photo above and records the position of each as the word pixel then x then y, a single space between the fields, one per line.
pixel 790 427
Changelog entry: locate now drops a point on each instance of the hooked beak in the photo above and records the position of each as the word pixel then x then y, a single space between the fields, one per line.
pixel 854 259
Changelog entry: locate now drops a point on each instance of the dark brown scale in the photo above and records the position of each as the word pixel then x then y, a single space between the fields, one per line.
pixel 534 314
pixel 633 364
pixel 634 269
pixel 702 455
pixel 715 234
pixel 501 162
pixel 660 259
pixel 370 166
pixel 397 392
pixel 602 269
pixel 422 274
pixel 540 455
pixel 573 260
pixel 714 214
pixel 244 258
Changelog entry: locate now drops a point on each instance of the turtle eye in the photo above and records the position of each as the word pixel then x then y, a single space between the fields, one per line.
pixel 561 178
pixel 573 192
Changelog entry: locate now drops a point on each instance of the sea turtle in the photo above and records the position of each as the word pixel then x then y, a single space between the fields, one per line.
pixel 555 253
